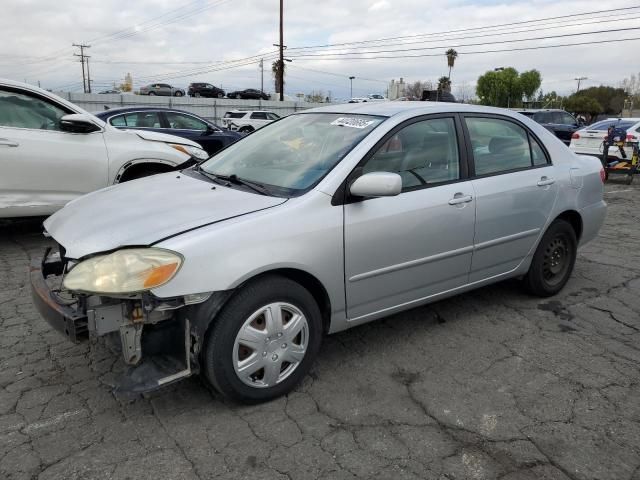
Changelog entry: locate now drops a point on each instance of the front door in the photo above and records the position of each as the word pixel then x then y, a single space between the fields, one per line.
pixel 515 190
pixel 401 250
pixel 42 167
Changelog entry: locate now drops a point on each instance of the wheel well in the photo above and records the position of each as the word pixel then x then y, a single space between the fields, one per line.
pixel 574 219
pixel 137 169
pixel 313 285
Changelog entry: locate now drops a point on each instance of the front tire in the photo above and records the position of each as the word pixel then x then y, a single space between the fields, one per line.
pixel 178 94
pixel 553 261
pixel 264 340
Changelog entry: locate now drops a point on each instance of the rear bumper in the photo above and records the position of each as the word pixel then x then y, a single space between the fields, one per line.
pixel 70 320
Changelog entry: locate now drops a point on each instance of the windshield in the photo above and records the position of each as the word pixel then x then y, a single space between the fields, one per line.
pixel 293 154
pixel 605 124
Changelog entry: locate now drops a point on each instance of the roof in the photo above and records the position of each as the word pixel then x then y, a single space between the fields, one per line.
pixel 111 111
pixel 536 110
pixel 389 109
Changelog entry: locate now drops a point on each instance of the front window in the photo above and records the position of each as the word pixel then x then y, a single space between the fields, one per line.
pixel 290 156
pixel 259 116
pixel 25 111
pixel 142 120
pixel 185 122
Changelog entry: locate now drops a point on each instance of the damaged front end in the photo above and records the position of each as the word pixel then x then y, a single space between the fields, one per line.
pixel 160 338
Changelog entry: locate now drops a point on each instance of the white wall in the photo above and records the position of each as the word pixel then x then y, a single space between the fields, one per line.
pixel 212 109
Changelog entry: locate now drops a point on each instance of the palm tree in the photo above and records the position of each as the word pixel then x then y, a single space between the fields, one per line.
pixel 444 84
pixel 451 59
pixel 275 70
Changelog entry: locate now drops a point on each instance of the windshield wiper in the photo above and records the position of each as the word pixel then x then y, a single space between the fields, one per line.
pixel 210 176
pixel 233 178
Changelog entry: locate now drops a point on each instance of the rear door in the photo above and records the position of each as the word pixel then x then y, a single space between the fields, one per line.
pixel 515 190
pixel 401 250
pixel 42 167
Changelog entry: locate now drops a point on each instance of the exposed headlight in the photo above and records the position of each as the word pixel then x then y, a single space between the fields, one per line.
pixel 196 152
pixel 124 271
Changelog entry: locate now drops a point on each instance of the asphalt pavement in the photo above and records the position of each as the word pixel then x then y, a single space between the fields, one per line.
pixel 489 384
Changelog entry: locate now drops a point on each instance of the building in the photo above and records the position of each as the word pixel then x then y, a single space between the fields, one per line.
pixel 397 89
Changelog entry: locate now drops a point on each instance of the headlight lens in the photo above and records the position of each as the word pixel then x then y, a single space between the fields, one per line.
pixel 124 271
pixel 196 152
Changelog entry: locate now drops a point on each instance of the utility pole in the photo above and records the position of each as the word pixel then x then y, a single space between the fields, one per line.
pixel 82 57
pixel 579 79
pixel 88 76
pixel 262 75
pixel 351 87
pixel 281 69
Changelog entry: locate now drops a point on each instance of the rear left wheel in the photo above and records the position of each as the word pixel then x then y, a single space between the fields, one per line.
pixel 264 340
pixel 553 260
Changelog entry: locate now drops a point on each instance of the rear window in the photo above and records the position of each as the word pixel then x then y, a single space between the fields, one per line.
pixel 605 124
pixel 234 114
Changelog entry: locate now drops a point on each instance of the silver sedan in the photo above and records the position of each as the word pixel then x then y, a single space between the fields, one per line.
pixel 318 222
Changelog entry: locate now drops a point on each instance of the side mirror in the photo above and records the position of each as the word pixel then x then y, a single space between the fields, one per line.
pixel 78 123
pixel 377 184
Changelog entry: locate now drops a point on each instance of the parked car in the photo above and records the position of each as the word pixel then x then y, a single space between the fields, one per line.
pixel 561 123
pixel 52 152
pixel 437 96
pixel 249 93
pixel 204 90
pixel 358 100
pixel 114 91
pixel 163 89
pixel 246 121
pixel 376 97
pixel 589 140
pixel 326 219
pixel 176 122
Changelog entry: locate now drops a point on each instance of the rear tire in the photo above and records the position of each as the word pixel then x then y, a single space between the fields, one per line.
pixel 152 94
pixel 178 94
pixel 553 260
pixel 246 357
pixel 246 130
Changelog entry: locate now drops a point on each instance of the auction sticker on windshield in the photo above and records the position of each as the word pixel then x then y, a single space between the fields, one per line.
pixel 352 122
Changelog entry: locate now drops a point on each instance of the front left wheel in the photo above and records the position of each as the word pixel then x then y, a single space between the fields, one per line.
pixel 264 340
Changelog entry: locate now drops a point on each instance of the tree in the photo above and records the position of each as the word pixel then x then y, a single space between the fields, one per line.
pixel 415 89
pixel 581 104
pixel 530 82
pixel 444 84
pixel 315 97
pixel 611 99
pixel 275 70
pixel 505 87
pixel 451 59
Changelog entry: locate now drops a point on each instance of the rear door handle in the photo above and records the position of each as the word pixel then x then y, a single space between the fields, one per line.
pixel 459 198
pixel 544 181
pixel 8 143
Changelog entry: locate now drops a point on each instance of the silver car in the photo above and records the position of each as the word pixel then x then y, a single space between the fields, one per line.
pixel 316 223
pixel 161 89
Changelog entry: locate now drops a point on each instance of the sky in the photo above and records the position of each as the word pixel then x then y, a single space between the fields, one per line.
pixel 222 41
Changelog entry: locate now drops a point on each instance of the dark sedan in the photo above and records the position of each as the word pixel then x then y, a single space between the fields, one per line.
pixel 561 123
pixel 248 93
pixel 176 122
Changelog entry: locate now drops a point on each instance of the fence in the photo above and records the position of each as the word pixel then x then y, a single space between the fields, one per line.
pixel 212 109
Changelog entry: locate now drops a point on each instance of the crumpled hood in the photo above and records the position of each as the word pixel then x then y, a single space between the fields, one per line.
pixel 161 137
pixel 142 212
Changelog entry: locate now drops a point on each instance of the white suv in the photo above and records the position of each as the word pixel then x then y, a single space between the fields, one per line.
pixel 246 121
pixel 52 152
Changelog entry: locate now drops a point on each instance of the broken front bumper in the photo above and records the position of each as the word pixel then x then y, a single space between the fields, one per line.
pixel 68 319
pixel 157 327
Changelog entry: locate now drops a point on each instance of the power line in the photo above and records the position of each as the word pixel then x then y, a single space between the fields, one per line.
pixel 548 37
pixel 463 29
pixel 539 47
pixel 554 26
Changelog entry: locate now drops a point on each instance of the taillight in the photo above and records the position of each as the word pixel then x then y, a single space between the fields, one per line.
pixel 576 135
pixel 631 138
pixel 603 175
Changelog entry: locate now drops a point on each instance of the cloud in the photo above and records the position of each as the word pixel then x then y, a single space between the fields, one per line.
pixel 381 5
pixel 211 31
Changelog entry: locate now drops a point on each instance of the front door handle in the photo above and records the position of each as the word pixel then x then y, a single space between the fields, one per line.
pixel 544 181
pixel 8 143
pixel 459 198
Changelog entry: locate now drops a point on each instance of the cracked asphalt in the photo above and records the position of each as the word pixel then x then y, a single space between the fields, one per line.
pixel 491 384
